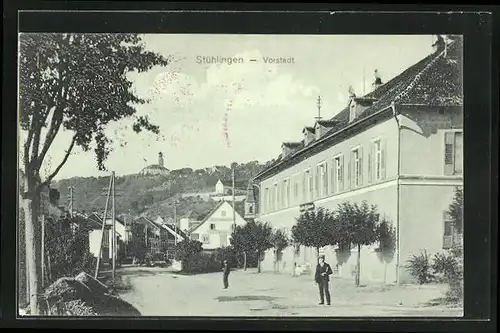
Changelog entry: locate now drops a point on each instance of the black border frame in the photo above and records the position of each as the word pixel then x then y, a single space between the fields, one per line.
pixel 480 117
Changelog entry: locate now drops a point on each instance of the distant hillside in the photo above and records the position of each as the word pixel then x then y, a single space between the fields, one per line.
pixel 154 195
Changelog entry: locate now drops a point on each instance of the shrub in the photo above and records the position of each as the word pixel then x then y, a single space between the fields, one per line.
pixel 449 268
pixel 201 263
pixel 419 267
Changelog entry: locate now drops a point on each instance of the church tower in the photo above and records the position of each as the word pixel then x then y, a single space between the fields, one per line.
pixel 160 160
pixel 250 202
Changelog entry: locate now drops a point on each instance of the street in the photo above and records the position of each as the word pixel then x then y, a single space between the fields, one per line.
pixel 158 292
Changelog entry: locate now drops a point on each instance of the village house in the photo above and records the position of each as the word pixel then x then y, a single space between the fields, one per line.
pixel 214 231
pixel 161 236
pixel 94 224
pixel 399 147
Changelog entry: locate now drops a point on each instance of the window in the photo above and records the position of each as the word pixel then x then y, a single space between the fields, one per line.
pixel 308 185
pixel 357 166
pixel 339 173
pixel 275 197
pixel 223 213
pixel 453 153
pixel 265 200
pixel 212 226
pixel 286 195
pixel 448 231
pixel 205 239
pixel 250 209
pixel 322 179
pixel 295 187
pixel 352 112
pixel 378 159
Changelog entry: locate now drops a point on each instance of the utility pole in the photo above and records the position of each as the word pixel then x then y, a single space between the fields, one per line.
pixel 71 201
pixel 113 214
pixel 318 104
pixel 103 228
pixel 234 207
pixel 43 249
pixel 175 221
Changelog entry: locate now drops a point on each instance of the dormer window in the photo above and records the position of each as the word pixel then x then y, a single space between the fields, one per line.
pixel 352 112
pixel 358 105
pixel 309 135
pixel 289 147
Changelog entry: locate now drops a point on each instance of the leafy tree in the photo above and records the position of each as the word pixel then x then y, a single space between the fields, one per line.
pixel 357 225
pixel 186 248
pixel 456 209
pixel 280 241
pixel 387 243
pixel 240 241
pixel 75 82
pixel 315 229
pixel 253 237
pixel 137 244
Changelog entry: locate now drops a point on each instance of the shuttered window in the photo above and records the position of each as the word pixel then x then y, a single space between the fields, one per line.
pixel 453 153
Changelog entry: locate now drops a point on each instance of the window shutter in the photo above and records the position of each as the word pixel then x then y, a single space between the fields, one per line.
pixel 341 173
pixel 360 155
pixel 447 232
pixel 316 179
pixel 333 171
pixel 370 163
pixel 349 176
pixel 325 179
pixel 449 149
pixel 383 159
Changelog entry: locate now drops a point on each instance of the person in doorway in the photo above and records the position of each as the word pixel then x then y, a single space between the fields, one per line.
pixel 225 274
pixel 322 278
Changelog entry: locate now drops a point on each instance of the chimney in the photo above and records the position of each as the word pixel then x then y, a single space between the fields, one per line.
pixel 378 81
pixel 160 159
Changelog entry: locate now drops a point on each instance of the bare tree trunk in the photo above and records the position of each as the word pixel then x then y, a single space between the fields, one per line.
pixel 31 206
pixel 358 268
pixel 244 260
pixel 258 261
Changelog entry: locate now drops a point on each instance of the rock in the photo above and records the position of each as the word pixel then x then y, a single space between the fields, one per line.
pixel 92 283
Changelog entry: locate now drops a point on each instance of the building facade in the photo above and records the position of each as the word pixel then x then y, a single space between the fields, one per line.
pixel 216 228
pixel 399 148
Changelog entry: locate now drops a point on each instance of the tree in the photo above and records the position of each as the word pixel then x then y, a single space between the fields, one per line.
pixel 75 82
pixel 456 209
pixel 260 238
pixel 280 241
pixel 315 229
pixel 137 244
pixel 387 243
pixel 357 225
pixel 253 237
pixel 185 249
pixel 240 240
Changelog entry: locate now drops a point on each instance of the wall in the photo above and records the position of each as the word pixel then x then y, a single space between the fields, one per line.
pixel 223 220
pixel 383 195
pixel 387 130
pixel 421 219
pixel 422 135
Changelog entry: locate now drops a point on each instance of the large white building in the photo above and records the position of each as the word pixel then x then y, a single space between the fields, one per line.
pixel 399 147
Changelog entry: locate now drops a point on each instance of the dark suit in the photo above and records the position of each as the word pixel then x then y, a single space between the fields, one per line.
pixel 225 278
pixel 322 278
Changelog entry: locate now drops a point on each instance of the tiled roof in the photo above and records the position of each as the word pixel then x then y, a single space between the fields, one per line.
pixel 292 144
pixel 434 80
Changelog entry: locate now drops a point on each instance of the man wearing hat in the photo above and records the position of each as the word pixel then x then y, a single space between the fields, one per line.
pixel 322 278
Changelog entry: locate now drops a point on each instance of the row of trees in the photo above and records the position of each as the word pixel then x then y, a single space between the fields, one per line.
pixel 351 225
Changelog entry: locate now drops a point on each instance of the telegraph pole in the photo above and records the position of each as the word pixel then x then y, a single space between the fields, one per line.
pixel 234 207
pixel 175 221
pixel 318 104
pixel 70 201
pixel 113 216
pixel 103 228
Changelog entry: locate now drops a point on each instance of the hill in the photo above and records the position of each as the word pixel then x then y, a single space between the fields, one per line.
pixel 154 196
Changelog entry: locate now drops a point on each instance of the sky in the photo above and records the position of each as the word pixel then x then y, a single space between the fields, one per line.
pixel 215 114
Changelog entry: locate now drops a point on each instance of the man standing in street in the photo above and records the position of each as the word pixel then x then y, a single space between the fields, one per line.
pixel 322 278
pixel 225 277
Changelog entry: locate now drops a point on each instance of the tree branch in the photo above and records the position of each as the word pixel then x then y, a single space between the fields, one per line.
pixel 56 171
pixel 55 125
